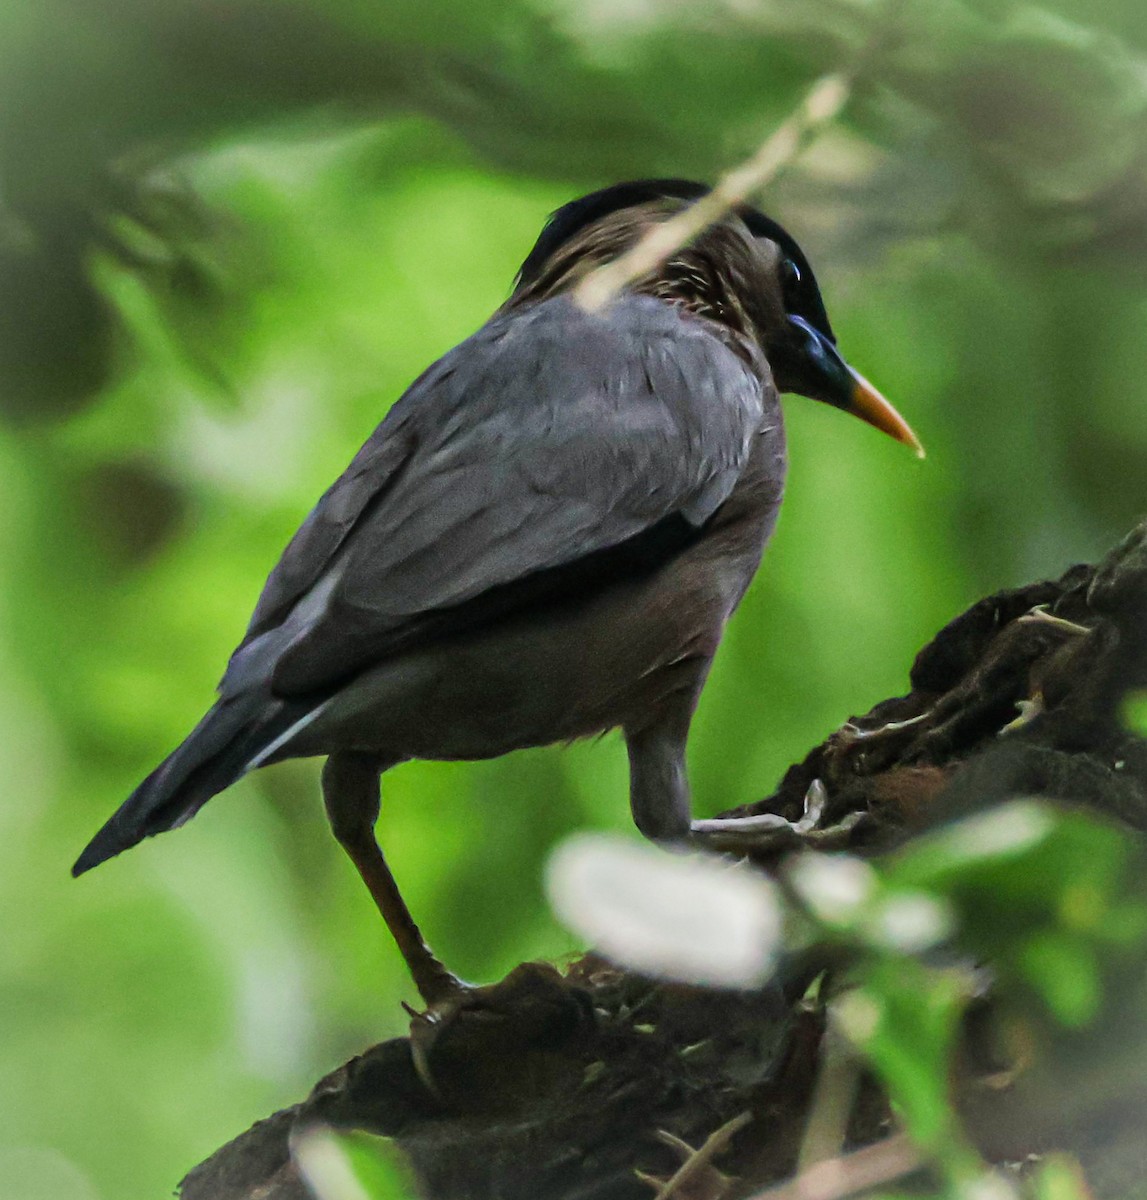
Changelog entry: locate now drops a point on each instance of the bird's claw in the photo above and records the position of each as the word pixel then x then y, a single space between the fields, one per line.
pixel 770 831
pixel 423 1026
pixel 815 800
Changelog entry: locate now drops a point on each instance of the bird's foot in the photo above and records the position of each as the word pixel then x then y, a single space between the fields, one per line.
pixel 473 1043
pixel 445 995
pixel 439 987
pixel 770 831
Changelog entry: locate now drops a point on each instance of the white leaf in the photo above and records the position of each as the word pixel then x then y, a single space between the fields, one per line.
pixel 836 887
pixel 690 917
pixel 325 1166
pixel 910 922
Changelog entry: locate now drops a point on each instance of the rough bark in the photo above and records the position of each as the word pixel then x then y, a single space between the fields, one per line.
pixel 552 1086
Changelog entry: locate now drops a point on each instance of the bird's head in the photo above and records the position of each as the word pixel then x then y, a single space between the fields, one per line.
pixel 745 271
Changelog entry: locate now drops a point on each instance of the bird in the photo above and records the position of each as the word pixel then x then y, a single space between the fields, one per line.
pixel 542 541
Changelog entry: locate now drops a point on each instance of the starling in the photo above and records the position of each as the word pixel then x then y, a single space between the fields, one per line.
pixel 542 541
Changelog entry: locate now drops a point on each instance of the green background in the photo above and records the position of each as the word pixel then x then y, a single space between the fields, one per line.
pixel 232 232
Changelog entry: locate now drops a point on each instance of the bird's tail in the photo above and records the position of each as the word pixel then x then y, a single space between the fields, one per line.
pixel 238 733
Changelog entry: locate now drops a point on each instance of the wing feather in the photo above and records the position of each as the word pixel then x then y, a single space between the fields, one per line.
pixel 550 436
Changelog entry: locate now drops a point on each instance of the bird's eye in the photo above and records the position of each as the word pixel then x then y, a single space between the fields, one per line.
pixel 790 274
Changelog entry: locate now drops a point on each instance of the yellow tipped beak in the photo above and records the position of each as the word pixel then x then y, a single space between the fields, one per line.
pixel 869 405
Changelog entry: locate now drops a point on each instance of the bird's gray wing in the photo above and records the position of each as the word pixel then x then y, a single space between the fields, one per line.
pixel 550 436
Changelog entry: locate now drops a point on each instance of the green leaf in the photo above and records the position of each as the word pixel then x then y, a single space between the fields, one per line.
pixel 376 1166
pixel 1065 972
pixel 339 1166
pixel 904 1018
pixel 1135 712
pixel 1025 860
pixel 1040 894
pixel 1059 1177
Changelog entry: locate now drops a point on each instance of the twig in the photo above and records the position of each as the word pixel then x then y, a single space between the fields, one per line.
pixel 696 1160
pixel 839 1178
pixel 832 1100
pixel 820 106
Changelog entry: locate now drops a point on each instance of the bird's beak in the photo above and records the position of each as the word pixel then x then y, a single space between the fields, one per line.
pixel 827 377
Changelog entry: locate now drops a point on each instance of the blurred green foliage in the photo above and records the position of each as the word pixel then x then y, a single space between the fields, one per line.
pixel 232 231
pixel 1052 901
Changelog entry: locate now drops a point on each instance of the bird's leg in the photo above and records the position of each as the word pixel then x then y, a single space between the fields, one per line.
pixel 658 785
pixel 659 798
pixel 351 795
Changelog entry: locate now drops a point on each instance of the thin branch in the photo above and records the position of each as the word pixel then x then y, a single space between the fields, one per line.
pixel 850 1174
pixel 832 1100
pixel 820 106
pixel 696 1161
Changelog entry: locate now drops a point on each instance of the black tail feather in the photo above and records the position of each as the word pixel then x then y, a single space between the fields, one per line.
pixel 219 750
